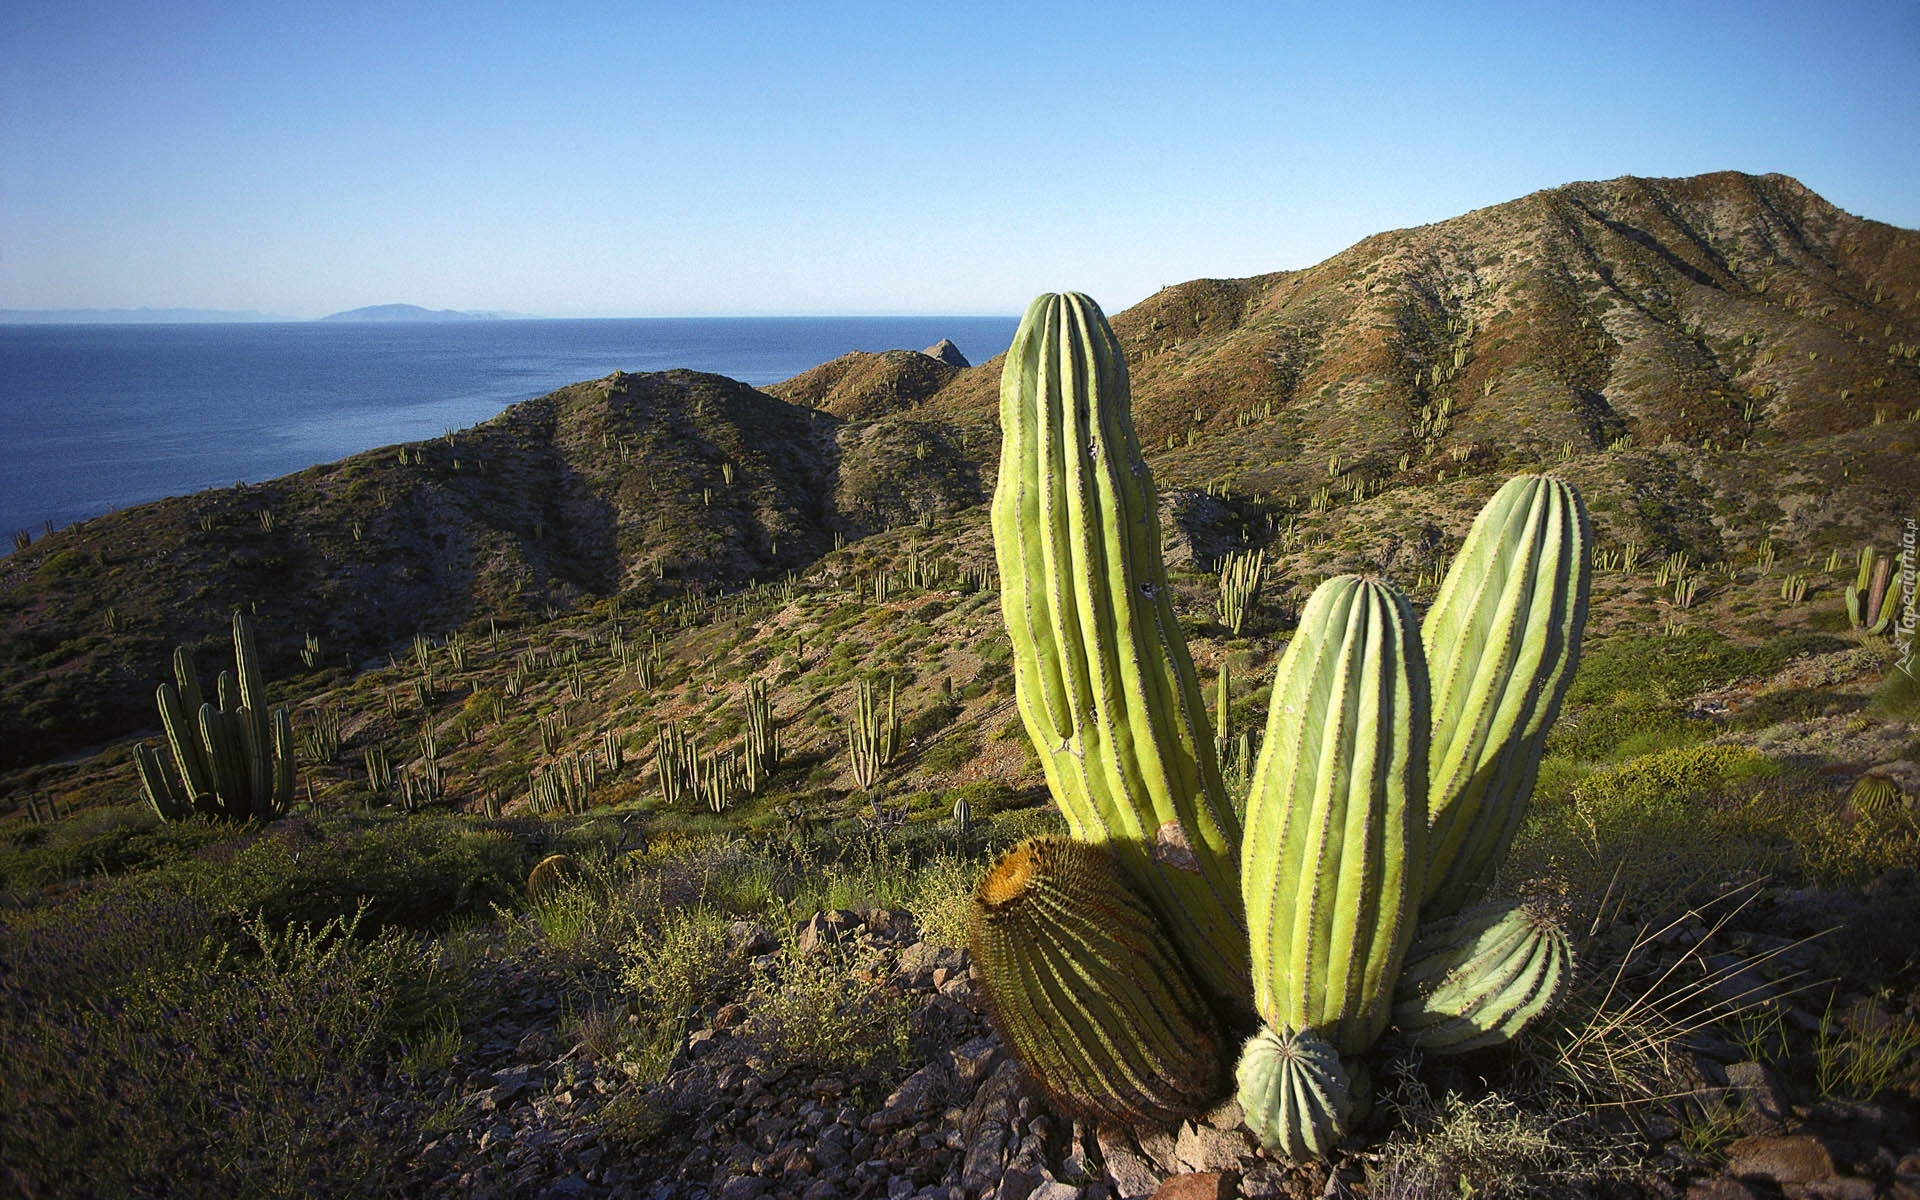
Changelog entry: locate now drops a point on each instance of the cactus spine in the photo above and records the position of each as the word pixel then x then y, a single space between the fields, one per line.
pixel 233 761
pixel 1082 982
pixel 1336 821
pixel 1501 641
pixel 1104 683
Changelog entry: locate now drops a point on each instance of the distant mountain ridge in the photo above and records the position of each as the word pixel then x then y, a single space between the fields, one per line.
pixel 409 312
pixel 1713 360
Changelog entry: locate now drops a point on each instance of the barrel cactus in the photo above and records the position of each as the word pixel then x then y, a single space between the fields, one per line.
pixel 1293 1092
pixel 550 875
pixel 1083 984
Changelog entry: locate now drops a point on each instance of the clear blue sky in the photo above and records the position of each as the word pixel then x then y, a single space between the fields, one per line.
pixel 714 158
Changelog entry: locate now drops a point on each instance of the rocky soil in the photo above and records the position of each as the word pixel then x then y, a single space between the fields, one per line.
pixel 537 1114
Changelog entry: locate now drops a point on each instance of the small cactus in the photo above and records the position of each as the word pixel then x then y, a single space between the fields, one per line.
pixel 549 875
pixel 1474 980
pixel 1293 1092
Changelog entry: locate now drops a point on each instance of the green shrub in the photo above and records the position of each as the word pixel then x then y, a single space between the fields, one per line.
pixel 1898 694
pixel 812 1011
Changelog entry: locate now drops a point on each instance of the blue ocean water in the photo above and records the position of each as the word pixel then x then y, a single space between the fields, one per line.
pixel 98 417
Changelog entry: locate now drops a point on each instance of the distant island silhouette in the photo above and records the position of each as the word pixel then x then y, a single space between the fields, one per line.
pixel 408 312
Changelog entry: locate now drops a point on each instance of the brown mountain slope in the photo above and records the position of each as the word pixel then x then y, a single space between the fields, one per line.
pixel 859 386
pixel 1714 308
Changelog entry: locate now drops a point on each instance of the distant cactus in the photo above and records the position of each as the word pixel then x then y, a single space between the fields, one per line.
pixel 873 739
pixel 233 761
pixel 1239 589
pixel 1868 608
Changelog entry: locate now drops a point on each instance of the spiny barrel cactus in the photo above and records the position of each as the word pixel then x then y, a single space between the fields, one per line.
pixel 1104 682
pixel 1293 1093
pixel 1502 640
pixel 1083 984
pixel 549 875
pixel 1335 842
pixel 1474 980
pixel 233 761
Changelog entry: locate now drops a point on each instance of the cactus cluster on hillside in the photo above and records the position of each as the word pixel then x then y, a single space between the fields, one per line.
pixel 1396 766
pixel 232 760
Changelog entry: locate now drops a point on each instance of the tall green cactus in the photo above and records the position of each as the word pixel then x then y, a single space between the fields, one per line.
pixel 232 761
pixel 1335 845
pixel 1501 640
pixel 1867 606
pixel 1104 682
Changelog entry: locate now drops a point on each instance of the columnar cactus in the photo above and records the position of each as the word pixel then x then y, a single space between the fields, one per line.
pixel 1239 588
pixel 233 761
pixel 1104 682
pixel 1501 640
pixel 1335 844
pixel 761 750
pixel 1867 606
pixel 872 739
pixel 1083 984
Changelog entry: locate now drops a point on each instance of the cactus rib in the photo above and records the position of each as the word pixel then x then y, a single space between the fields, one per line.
pixel 1082 982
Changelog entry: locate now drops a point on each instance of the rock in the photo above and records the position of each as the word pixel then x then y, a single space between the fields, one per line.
pixel 571 1188
pixel 1754 1087
pixel 922 1094
pixel 535 1047
pixel 948 353
pixel 1053 1189
pixel 1014 1185
pixel 826 928
pixel 1133 1176
pixel 821 1189
pixel 1200 1185
pixel 1721 1188
pixel 1796 1158
pixel 974 1060
pixel 751 938
pixel 1205 1148
pixel 1840 1187
pixel 1160 1146
pixel 744 1187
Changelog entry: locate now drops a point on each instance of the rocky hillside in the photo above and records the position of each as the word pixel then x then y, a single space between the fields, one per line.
pixel 1717 360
